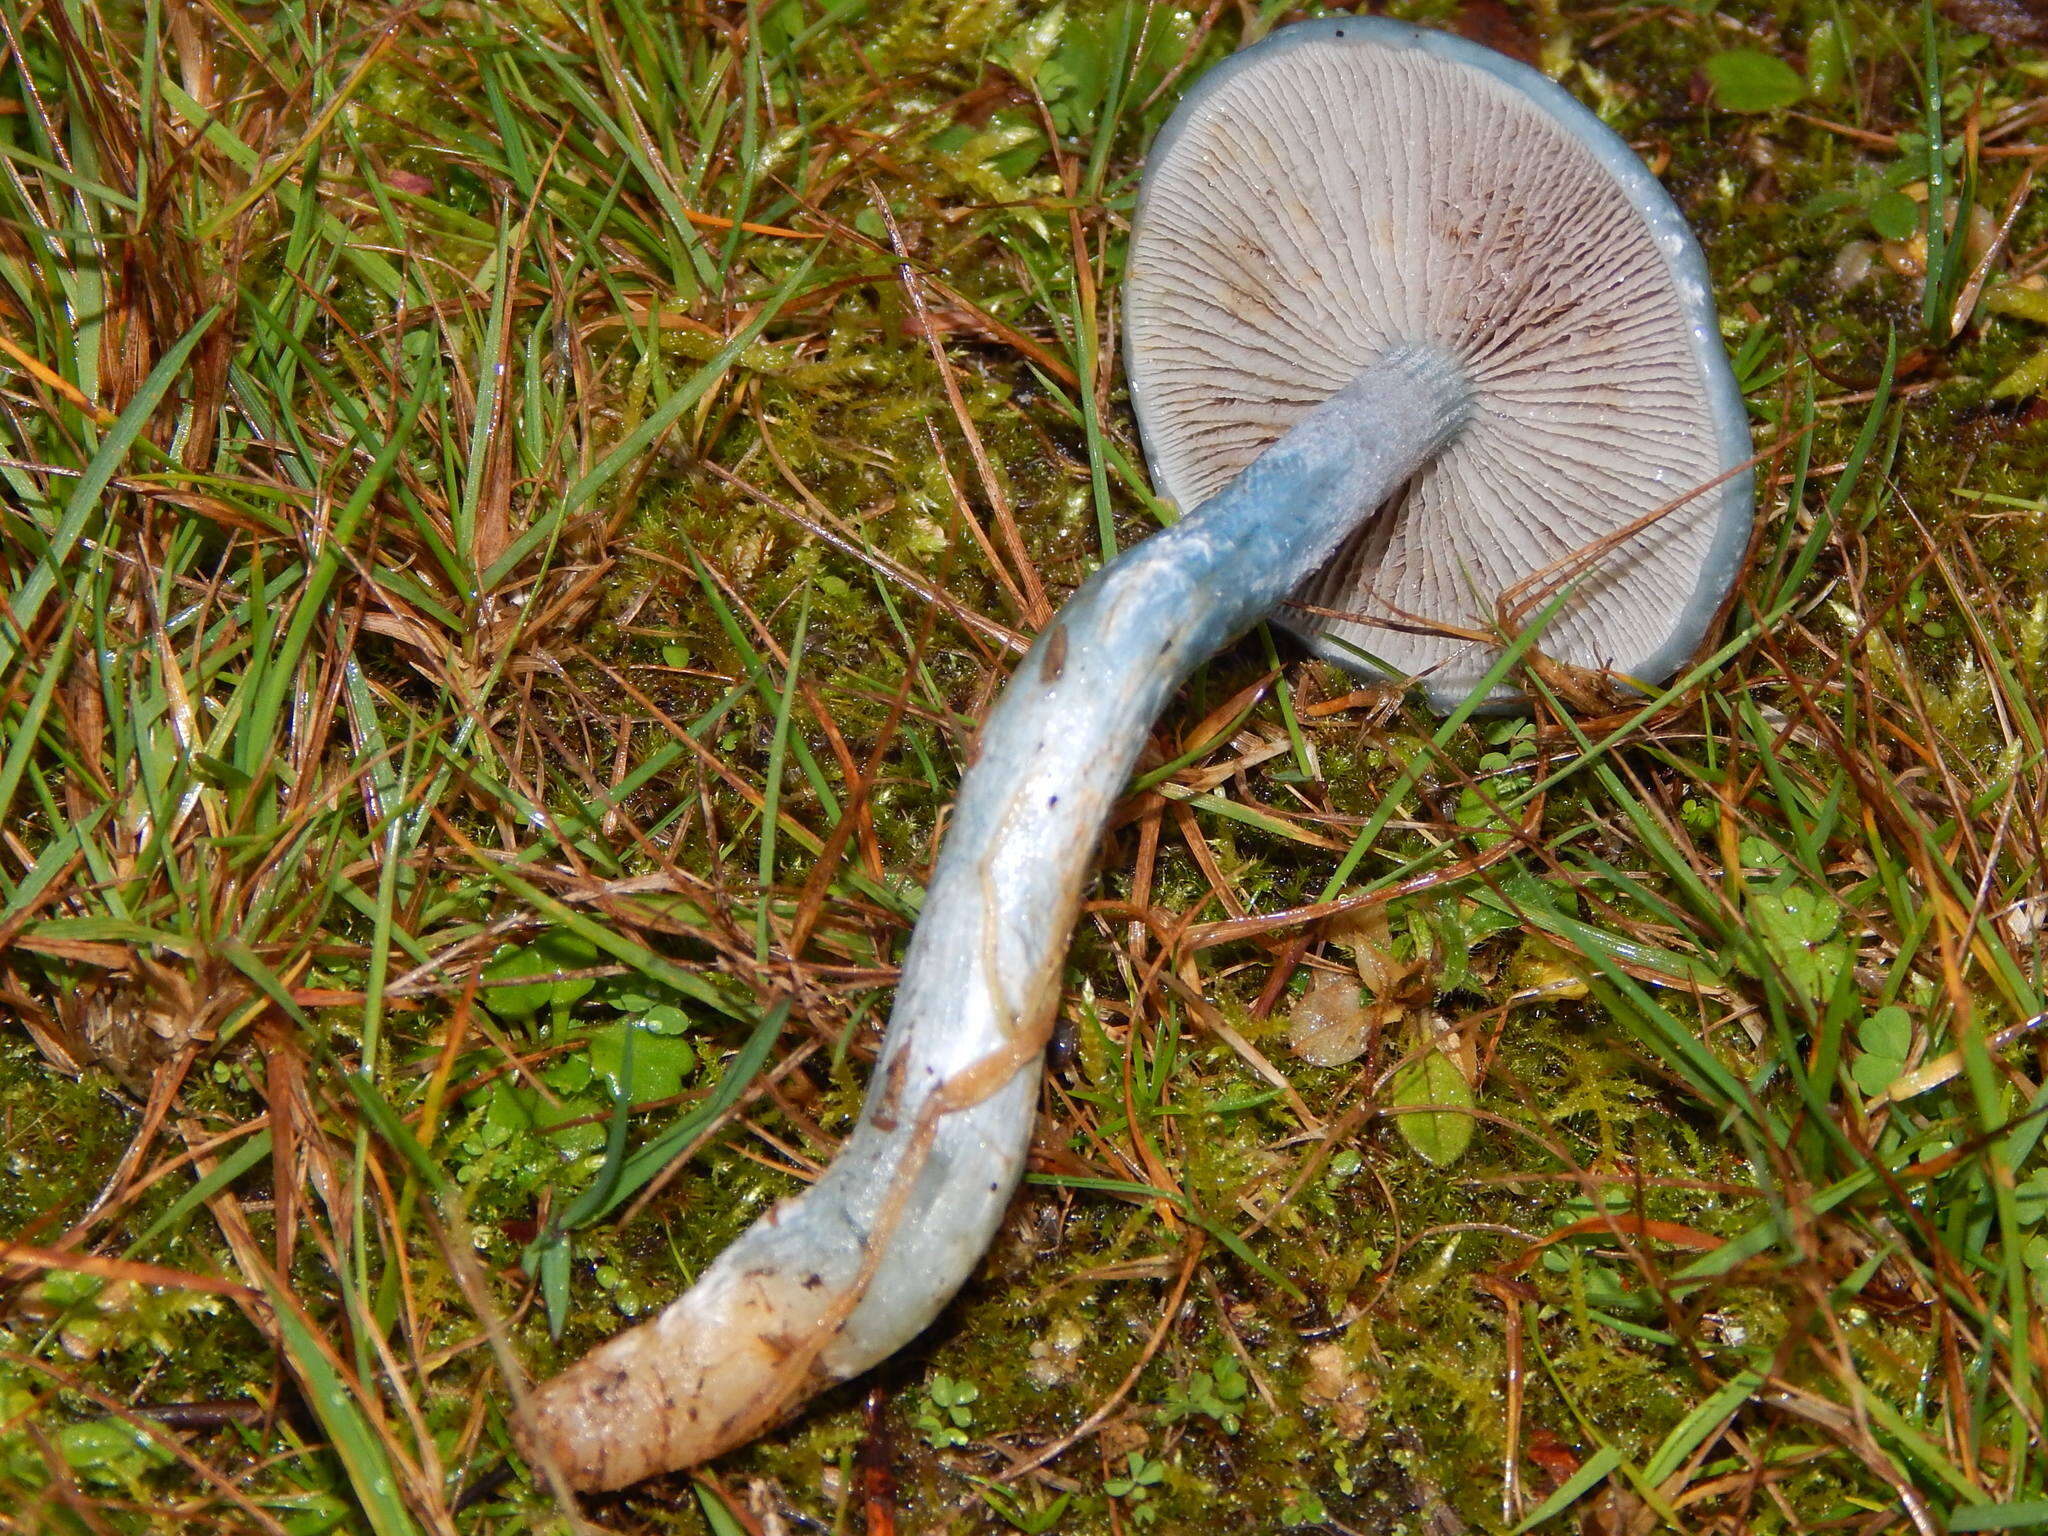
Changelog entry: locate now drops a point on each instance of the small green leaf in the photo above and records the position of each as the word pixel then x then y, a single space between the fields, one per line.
pixel 1434 1079
pixel 665 1019
pixel 2030 1198
pixel 1141 1473
pixel 1798 926
pixel 554 951
pixel 1887 1032
pixel 1025 51
pixel 1303 1507
pixel 2030 378
pixel 1482 921
pixel 946 1416
pixel 1828 61
pixel 1750 80
pixel 110 1452
pixel 1761 856
pixel 1874 1073
pixel 948 1393
pixel 2005 298
pixel 511 1112
pixel 1894 216
pixel 780 25
pixel 658 1065
pixel 572 1074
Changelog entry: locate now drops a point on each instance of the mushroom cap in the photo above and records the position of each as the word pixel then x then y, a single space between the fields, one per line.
pixel 1349 185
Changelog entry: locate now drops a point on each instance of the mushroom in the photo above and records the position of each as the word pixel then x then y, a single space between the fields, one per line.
pixel 1407 328
pixel 1352 186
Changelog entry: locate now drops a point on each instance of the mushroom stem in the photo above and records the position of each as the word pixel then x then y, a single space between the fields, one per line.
pixel 833 1281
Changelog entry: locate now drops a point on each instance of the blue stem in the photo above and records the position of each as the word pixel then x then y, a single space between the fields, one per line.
pixel 830 1283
